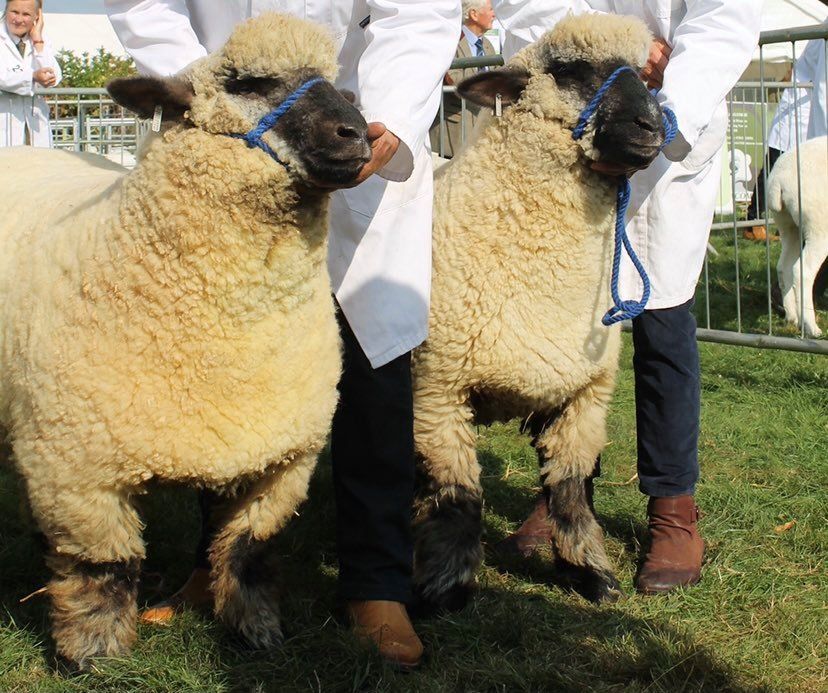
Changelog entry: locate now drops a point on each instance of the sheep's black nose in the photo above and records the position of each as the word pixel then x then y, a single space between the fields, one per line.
pixel 348 132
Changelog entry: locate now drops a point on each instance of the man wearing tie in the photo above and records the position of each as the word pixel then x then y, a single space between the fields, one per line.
pixel 478 17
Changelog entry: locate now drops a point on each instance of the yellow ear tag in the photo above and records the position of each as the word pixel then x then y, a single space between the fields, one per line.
pixel 156 119
pixel 498 106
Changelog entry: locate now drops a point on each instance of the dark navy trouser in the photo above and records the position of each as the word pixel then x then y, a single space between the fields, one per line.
pixel 667 400
pixel 372 453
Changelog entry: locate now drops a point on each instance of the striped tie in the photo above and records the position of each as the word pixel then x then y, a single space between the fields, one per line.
pixel 22 47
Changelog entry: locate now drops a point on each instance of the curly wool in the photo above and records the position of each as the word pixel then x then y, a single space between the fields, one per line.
pixel 522 253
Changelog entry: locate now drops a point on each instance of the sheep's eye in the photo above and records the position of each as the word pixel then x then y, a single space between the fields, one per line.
pixel 565 72
pixel 247 86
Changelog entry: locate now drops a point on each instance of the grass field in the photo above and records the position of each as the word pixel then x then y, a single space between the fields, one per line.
pixel 757 622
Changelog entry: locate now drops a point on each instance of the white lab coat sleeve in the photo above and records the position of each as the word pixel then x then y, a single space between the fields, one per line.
pixel 712 46
pixel 156 33
pixel 526 21
pixel 46 58
pixel 15 75
pixel 409 47
pixel 818 123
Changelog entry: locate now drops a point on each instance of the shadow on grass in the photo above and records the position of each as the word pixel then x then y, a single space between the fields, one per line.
pixel 511 637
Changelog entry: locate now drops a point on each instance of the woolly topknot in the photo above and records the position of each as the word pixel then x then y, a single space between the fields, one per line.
pixel 592 37
pixel 273 44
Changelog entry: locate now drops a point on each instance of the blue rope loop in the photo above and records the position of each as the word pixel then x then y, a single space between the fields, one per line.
pixel 623 310
pixel 267 121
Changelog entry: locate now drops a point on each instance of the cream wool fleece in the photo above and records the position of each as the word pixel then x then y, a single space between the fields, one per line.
pixel 522 260
pixel 174 322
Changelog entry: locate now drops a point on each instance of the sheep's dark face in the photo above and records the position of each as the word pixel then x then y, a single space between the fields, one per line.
pixel 321 131
pixel 627 128
pixel 322 138
pixel 626 132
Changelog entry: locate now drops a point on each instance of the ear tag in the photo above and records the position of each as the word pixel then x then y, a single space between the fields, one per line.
pixel 498 106
pixel 156 119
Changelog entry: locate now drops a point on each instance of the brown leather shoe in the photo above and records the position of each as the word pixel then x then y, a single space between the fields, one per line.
pixel 676 549
pixel 195 593
pixel 535 534
pixel 386 626
pixel 755 233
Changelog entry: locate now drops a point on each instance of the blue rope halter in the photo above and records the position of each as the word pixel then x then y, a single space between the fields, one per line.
pixel 623 310
pixel 254 137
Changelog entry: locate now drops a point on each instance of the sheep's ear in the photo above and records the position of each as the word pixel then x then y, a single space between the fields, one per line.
pixel 484 87
pixel 143 94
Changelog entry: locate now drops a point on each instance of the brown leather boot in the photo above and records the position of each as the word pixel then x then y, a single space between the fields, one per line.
pixel 676 549
pixel 386 626
pixel 195 593
pixel 533 535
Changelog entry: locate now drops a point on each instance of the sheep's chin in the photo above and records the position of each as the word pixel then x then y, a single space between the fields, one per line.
pixel 332 174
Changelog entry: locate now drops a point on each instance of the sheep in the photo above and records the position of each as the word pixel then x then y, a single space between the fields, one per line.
pixel 175 323
pixel 785 203
pixel 522 248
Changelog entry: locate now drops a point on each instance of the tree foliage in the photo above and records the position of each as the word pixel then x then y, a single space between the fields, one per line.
pixel 92 70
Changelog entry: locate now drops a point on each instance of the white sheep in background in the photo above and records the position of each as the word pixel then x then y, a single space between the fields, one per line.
pixel 176 323
pixel 523 243
pixel 784 202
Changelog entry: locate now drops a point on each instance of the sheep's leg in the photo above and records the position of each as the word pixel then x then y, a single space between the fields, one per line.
pixel 95 557
pixel 241 564
pixel 813 254
pixel 448 512
pixel 787 267
pixel 568 449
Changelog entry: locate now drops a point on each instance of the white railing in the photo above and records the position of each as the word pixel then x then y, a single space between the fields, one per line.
pixel 87 120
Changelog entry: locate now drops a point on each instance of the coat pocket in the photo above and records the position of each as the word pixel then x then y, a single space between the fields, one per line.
pixel 709 142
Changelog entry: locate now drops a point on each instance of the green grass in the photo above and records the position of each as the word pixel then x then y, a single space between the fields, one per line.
pixel 757 622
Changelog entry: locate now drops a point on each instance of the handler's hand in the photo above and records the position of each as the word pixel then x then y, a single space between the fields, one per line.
pixel 36 32
pixel 384 145
pixel 45 76
pixel 653 72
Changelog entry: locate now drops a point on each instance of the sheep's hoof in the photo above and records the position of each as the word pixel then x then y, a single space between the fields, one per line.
pixel 597 586
pixel 262 638
pixel 451 600
pixel 69 667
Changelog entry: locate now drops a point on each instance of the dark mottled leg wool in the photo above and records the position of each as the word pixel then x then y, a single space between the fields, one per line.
pixel 578 541
pixel 246 598
pixel 94 609
pixel 448 528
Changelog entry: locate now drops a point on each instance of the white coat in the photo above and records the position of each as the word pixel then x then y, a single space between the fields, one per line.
pixel 793 113
pixel 19 107
pixel 672 201
pixel 392 55
pixel 818 123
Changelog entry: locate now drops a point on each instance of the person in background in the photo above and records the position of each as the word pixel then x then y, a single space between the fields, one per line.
pixel 478 17
pixel 788 128
pixel 818 121
pixel 700 50
pixel 26 60
pixel 380 265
